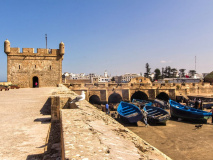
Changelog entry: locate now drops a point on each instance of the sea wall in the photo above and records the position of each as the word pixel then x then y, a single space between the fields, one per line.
pixel 89 133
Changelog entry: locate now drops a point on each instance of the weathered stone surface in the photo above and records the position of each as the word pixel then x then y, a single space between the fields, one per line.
pixel 127 90
pixel 24 123
pixel 46 65
pixel 88 133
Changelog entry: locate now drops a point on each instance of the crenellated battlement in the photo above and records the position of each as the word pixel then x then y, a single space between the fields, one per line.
pixel 31 51
pixel 14 50
pixel 27 50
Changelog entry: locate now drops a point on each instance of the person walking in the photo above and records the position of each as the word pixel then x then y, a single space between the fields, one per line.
pixel 145 117
pixel 196 104
pixel 187 102
pixel 212 114
pixel 199 104
pixel 107 109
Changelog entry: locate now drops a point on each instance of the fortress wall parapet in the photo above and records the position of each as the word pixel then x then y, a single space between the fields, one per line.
pixel 206 84
pixel 126 90
pixel 101 85
pixel 112 85
pixel 27 50
pixel 14 50
pixel 88 84
pixel 30 52
pixel 124 85
pixel 96 132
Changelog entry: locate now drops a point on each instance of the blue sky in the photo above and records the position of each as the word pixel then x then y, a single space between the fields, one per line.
pixel 119 36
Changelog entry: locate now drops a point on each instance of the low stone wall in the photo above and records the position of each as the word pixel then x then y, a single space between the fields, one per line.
pixel 5 83
pixel 87 133
pixel 60 100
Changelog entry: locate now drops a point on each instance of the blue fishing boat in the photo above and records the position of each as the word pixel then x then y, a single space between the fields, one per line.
pixel 160 103
pixel 139 102
pixel 129 111
pixel 178 110
pixel 156 114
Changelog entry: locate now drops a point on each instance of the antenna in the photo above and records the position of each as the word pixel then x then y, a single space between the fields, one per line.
pixel 46 40
pixel 195 63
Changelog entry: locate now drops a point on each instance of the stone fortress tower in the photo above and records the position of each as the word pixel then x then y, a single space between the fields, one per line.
pixel 27 69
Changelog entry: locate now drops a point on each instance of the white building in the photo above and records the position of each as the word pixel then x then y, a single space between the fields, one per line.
pixel 104 79
pixel 75 76
pixel 99 78
pixel 78 76
pixel 105 74
pixel 128 76
pixel 152 75
pixel 66 74
pixel 92 76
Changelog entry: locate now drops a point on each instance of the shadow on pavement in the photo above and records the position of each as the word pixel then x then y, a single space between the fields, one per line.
pixel 46 109
pixel 35 157
pixel 52 150
pixel 43 120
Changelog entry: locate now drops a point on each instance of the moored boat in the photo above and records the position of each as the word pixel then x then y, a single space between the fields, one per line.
pixel 129 111
pixel 160 103
pixel 139 102
pixel 178 110
pixel 156 114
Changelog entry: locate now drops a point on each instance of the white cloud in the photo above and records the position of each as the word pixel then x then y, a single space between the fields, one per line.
pixel 162 61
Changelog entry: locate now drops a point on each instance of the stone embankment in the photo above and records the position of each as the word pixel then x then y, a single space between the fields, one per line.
pixel 88 134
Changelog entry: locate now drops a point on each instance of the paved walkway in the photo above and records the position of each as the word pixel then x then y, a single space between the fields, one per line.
pixel 23 128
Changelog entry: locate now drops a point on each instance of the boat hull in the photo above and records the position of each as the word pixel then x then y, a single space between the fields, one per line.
pixel 155 114
pixel 129 112
pixel 185 112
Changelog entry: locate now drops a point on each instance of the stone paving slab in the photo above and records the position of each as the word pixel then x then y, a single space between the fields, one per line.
pixel 23 127
pixel 85 139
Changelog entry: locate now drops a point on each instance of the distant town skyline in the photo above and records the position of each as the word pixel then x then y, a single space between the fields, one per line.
pixel 118 36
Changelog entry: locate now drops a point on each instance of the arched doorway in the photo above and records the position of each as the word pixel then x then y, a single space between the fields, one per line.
pixel 139 95
pixel 163 96
pixel 35 82
pixel 114 98
pixel 94 99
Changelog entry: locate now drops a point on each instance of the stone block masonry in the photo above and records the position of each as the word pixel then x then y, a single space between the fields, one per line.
pixel 27 68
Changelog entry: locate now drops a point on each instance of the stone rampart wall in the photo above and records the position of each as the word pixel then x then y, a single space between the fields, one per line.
pixel 89 133
pixel 151 90
pixel 21 70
